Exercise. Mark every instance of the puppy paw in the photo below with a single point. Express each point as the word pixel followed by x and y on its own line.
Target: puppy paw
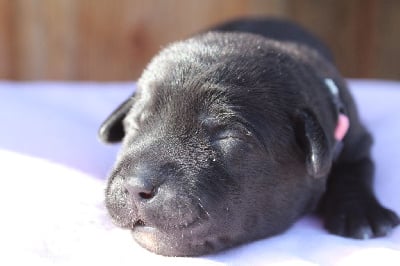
pixel 360 219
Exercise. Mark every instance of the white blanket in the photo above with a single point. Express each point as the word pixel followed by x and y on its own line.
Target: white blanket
pixel 53 173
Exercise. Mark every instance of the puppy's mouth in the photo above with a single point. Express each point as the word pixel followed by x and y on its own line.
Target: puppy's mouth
pixel 176 240
pixel 138 223
pixel 140 228
pixel 141 225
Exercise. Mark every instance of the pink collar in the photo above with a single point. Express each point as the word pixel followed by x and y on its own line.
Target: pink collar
pixel 342 126
pixel 343 122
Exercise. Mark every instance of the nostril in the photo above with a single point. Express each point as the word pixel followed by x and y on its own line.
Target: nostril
pixel 146 195
pixel 143 183
pixel 139 190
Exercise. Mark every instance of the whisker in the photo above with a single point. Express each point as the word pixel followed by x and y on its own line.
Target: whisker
pixel 202 208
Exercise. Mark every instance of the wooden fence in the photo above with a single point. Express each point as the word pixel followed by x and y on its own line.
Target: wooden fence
pixel 113 40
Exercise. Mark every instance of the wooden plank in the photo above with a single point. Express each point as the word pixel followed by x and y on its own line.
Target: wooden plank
pixel 6 53
pixel 347 27
pixel 366 37
pixel 106 40
pixel 387 48
pixel 117 41
pixel 333 22
pixel 45 39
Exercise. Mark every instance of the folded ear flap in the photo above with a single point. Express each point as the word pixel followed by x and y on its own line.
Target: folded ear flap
pixel 314 142
pixel 112 129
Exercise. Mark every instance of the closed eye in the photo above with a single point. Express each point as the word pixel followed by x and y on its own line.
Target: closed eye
pixel 231 134
pixel 236 134
pixel 221 130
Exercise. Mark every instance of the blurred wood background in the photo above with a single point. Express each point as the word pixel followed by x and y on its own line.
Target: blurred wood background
pixel 113 40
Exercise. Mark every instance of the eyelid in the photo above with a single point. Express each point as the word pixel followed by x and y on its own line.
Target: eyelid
pixel 230 130
pixel 238 132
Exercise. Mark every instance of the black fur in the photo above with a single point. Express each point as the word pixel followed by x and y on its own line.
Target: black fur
pixel 229 138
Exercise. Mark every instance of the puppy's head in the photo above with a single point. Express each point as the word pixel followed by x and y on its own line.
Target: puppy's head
pixel 217 148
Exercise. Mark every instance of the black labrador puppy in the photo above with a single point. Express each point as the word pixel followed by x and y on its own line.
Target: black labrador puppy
pixel 234 134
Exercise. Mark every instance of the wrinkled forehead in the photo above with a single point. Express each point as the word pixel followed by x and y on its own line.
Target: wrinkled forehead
pixel 183 106
pixel 184 83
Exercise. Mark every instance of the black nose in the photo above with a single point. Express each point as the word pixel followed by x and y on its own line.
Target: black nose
pixel 143 184
pixel 140 188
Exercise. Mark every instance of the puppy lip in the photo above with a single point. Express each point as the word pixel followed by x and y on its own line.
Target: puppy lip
pixel 143 230
pixel 139 228
pixel 171 240
pixel 140 224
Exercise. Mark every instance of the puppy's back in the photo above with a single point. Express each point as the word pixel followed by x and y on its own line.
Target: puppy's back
pixel 277 29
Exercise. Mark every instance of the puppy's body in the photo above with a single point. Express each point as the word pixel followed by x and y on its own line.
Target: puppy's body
pixel 230 137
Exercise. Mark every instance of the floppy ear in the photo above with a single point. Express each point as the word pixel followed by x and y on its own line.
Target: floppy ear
pixel 112 129
pixel 314 142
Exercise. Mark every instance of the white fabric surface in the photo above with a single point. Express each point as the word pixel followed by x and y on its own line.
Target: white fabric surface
pixel 53 173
